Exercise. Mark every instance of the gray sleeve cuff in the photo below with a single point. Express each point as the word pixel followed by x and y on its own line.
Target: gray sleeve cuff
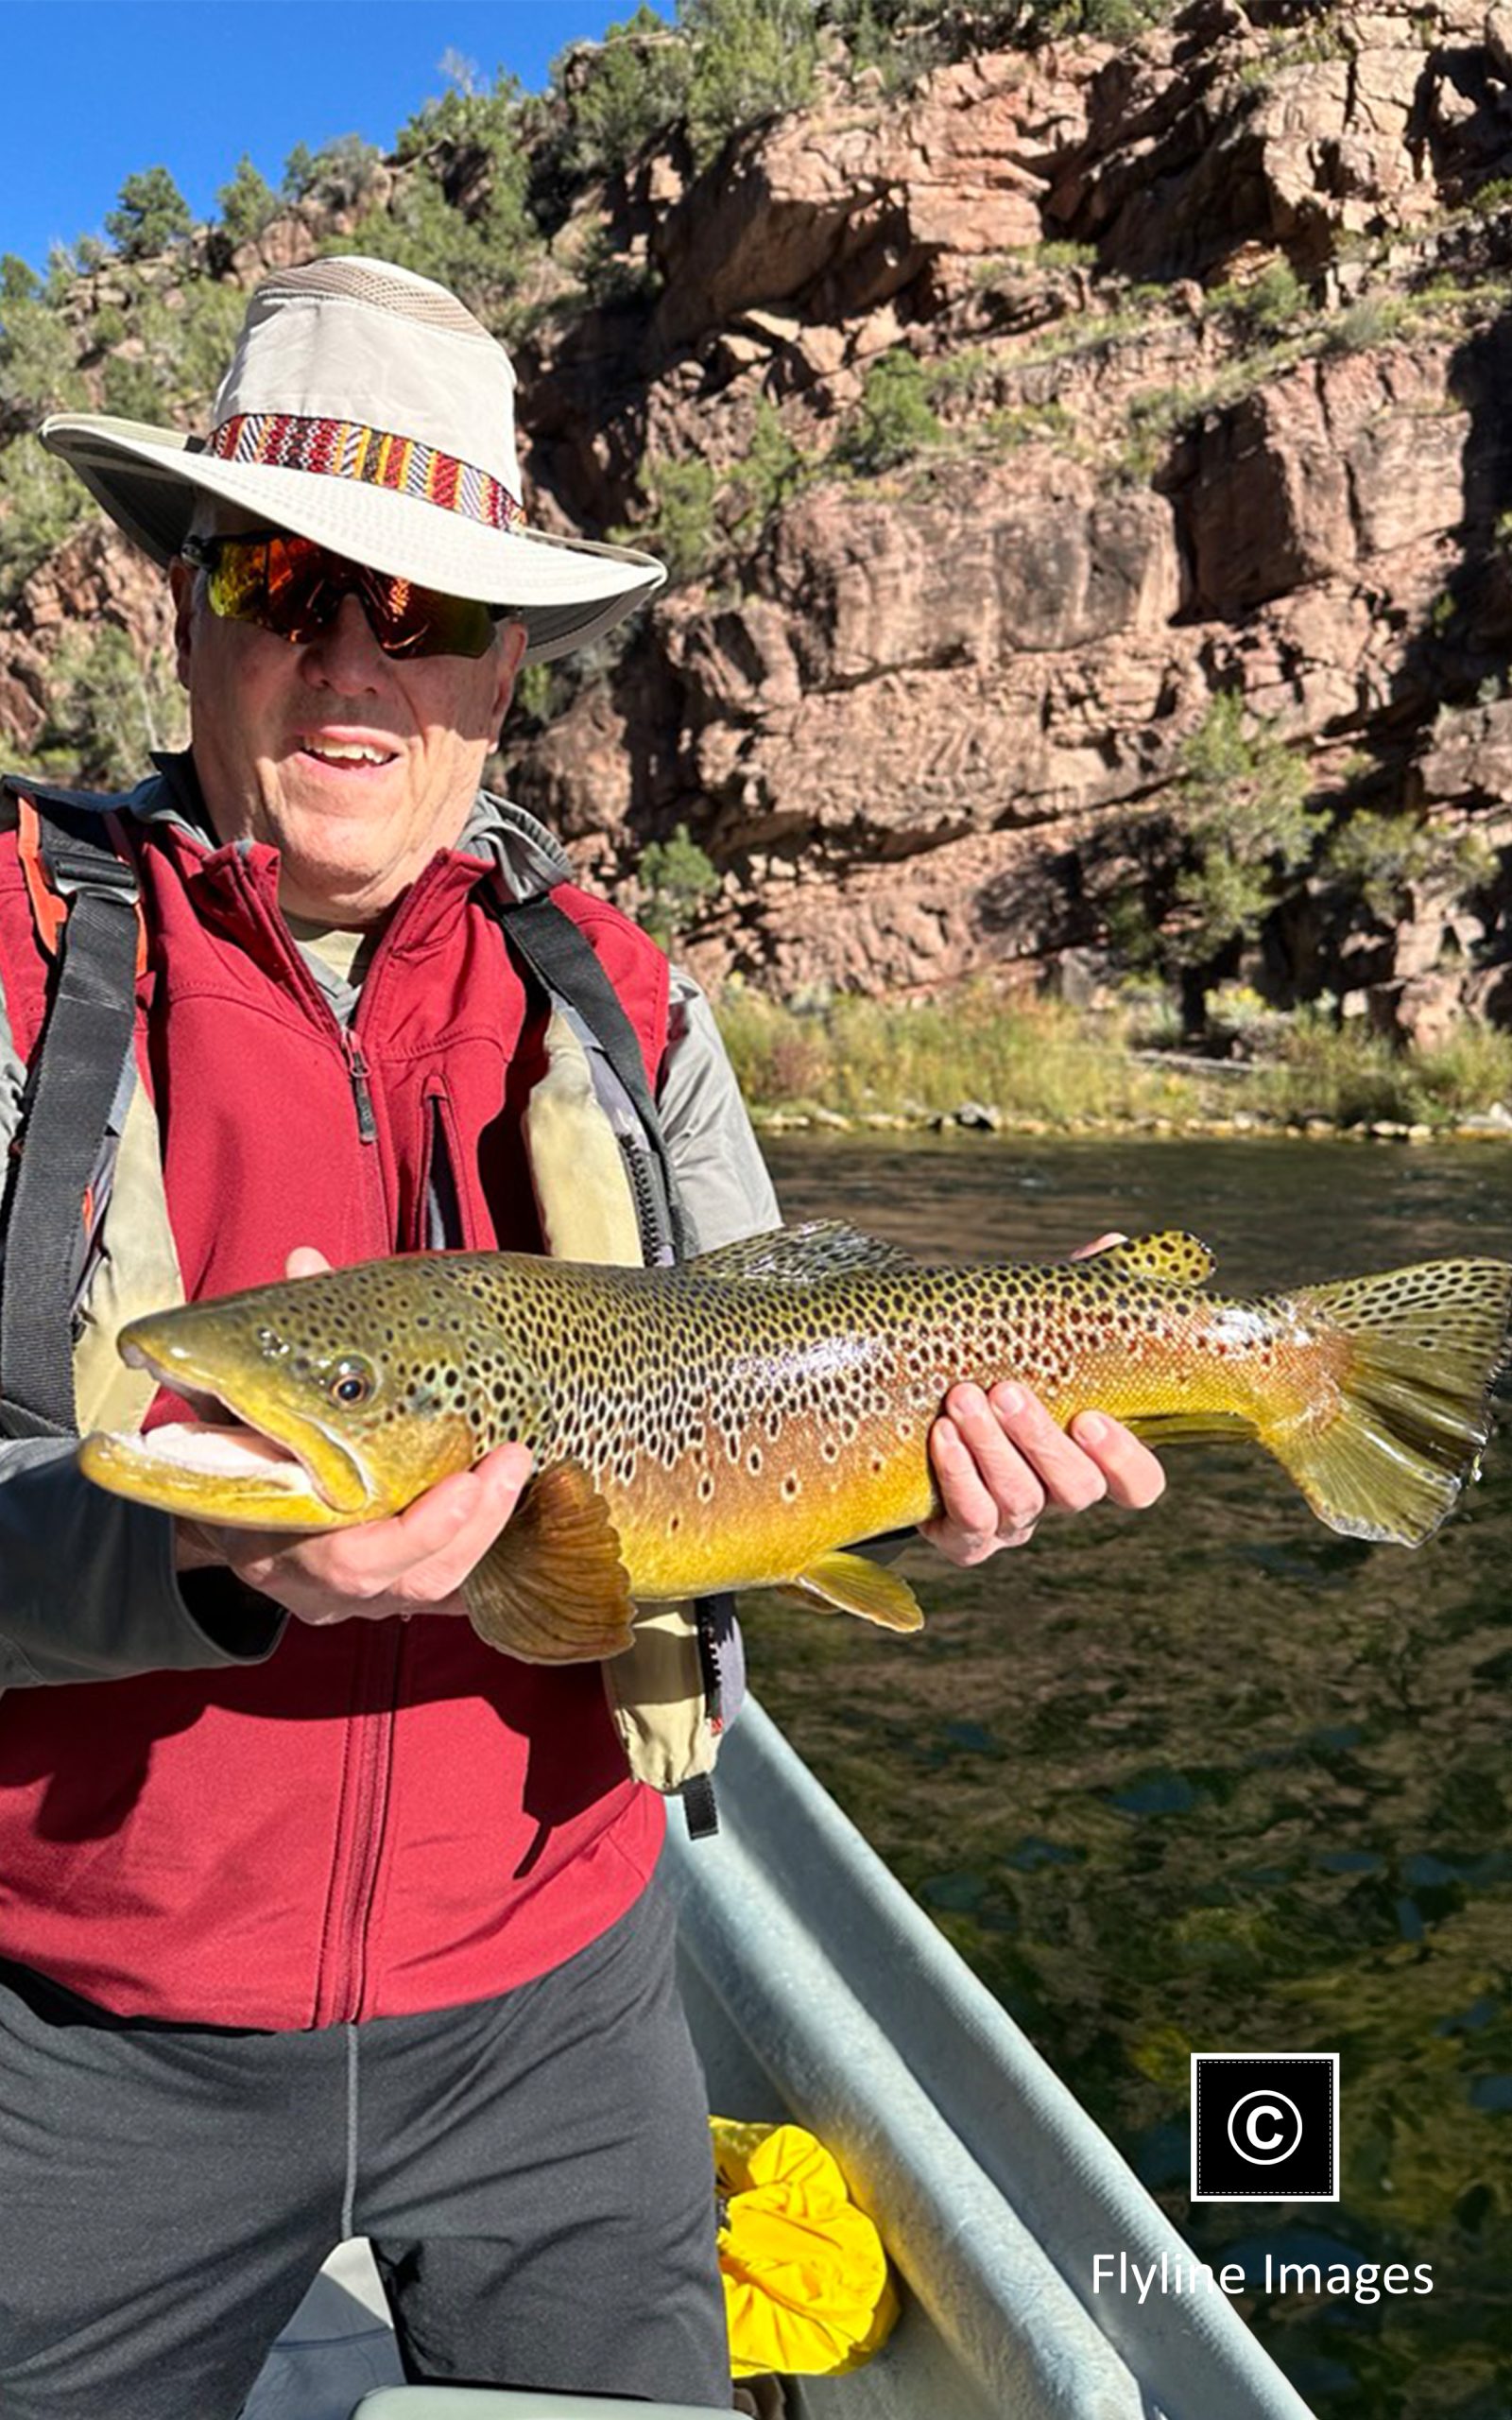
pixel 88 1589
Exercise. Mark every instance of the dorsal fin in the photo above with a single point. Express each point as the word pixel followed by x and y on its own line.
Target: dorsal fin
pixel 797 1255
pixel 1172 1256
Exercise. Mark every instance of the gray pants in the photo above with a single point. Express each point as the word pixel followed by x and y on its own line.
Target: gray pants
pixel 534 2173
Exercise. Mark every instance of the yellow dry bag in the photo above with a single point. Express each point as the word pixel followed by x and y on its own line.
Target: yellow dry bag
pixel 806 2283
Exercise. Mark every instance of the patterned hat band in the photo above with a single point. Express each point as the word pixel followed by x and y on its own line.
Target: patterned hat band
pixel 344 449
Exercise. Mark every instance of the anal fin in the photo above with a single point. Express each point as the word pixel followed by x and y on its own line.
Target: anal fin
pixel 552 1588
pixel 853 1586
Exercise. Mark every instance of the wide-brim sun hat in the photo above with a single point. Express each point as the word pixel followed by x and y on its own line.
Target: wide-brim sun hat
pixel 367 409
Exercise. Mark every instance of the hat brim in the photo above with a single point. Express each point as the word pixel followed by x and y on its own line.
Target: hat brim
pixel 567 591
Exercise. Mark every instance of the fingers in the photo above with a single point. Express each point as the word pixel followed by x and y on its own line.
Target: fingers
pixel 415 1562
pixel 304 1261
pixel 1133 1474
pixel 1104 1243
pixel 1000 1461
pixel 991 1494
pixel 494 1487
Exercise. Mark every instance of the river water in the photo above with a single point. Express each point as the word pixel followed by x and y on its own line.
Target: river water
pixel 1211 1777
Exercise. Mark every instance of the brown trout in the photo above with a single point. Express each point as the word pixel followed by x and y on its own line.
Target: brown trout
pixel 742 1421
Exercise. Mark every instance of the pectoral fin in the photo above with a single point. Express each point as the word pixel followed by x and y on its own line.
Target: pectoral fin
pixel 853 1586
pixel 552 1588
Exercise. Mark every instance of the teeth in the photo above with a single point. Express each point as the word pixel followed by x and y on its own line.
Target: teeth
pixel 331 754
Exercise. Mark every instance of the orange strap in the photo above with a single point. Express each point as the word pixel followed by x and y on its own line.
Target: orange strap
pixel 49 908
pixel 50 913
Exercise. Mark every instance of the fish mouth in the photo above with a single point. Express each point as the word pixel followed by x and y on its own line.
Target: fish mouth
pixel 238 1456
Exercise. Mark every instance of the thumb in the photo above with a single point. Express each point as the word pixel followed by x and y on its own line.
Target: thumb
pixel 304 1261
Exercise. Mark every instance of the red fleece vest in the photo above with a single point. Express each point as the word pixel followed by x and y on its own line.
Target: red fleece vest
pixel 384 1817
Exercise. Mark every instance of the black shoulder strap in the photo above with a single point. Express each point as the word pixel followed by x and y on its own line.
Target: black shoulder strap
pixel 555 953
pixel 558 955
pixel 71 1085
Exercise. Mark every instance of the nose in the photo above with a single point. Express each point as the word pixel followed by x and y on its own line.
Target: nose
pixel 345 656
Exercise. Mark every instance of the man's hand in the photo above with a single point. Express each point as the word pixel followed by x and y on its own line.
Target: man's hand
pixel 1000 1461
pixel 414 1562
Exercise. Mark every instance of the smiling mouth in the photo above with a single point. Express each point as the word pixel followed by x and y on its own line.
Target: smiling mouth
pixel 344 757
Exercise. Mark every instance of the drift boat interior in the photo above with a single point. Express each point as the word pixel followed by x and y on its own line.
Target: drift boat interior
pixel 818 1991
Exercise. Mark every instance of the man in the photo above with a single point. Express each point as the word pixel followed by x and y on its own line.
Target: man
pixel 320 1919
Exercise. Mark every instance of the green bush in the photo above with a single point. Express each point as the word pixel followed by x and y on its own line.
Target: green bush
pixel 470 115
pixel 676 877
pixel 751 60
pixel 1268 305
pixel 929 30
pixel 150 213
pixel 421 231
pixel 772 470
pixel 38 367
pixel 1039 1061
pixel 480 253
pixel 299 171
pixel 247 204
pixel 681 529
pixel 1354 1078
pixel 108 327
pixel 1243 815
pixel 622 93
pixel 130 388
pixel 185 346
pixel 342 173
pixel 609 279
pixel 40 501
pixel 18 282
pixel 1108 20
pixel 1152 418
pixel 893 421
pixel 1370 321
pixel 1379 856
pixel 107 710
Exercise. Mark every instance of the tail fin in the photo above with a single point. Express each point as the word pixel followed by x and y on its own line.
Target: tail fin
pixel 1413 1411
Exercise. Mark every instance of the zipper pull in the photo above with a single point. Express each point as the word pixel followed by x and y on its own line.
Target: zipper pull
pixel 357 1067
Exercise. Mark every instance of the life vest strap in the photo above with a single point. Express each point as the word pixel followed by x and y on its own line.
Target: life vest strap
pixel 71 1086
pixel 562 961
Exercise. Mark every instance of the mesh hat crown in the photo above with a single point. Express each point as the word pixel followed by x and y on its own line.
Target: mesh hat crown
pixel 367 409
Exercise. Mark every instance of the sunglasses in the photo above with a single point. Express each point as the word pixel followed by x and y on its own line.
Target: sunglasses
pixel 294 588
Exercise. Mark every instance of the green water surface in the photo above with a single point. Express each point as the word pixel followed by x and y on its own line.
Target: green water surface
pixel 1209 1777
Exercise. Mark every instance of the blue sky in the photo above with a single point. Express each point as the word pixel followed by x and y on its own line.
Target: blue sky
pixel 94 89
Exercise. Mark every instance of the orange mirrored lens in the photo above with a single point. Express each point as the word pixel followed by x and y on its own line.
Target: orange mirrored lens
pixel 294 588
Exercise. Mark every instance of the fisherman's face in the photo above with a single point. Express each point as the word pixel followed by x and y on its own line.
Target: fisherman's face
pixel 266 719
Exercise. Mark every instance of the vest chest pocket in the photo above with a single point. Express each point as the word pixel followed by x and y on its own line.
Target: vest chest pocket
pixel 441 1221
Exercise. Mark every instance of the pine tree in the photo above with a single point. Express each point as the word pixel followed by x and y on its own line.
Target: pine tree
pixel 150 213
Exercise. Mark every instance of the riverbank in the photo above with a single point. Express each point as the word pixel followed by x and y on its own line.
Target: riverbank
pixel 976 1064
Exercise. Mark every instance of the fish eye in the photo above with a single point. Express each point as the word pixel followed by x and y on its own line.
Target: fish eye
pixel 351 1382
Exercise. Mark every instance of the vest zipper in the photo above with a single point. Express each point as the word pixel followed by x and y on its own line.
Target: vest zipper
pixel 710 1665
pixel 341 1970
pixel 362 1096
pixel 341 1982
pixel 638 1168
